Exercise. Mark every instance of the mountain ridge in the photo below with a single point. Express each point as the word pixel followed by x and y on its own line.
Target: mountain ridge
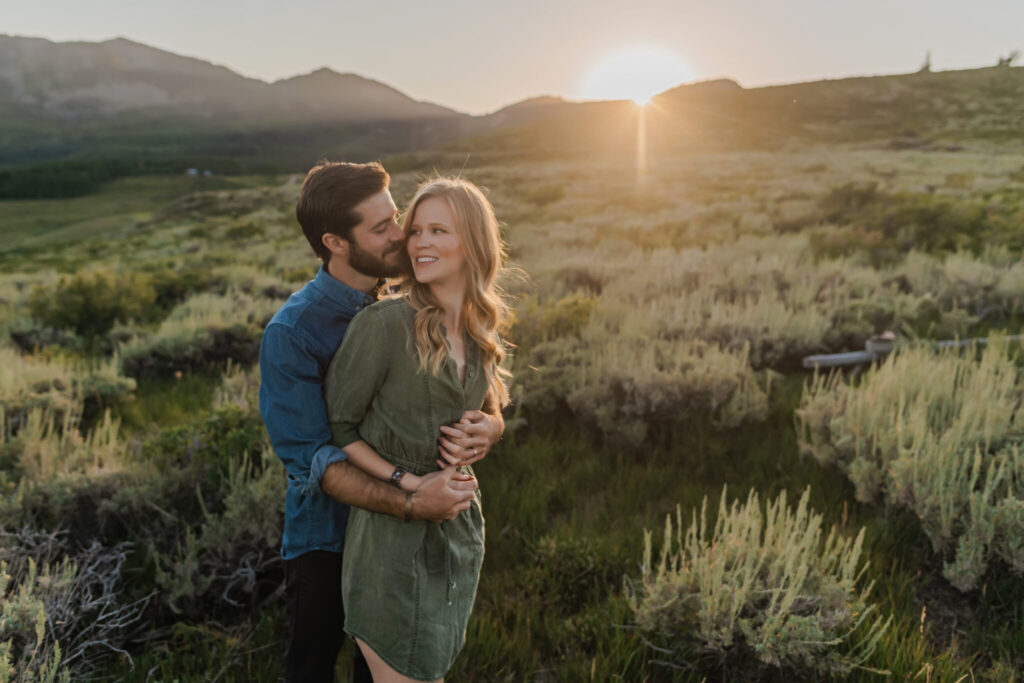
pixel 126 106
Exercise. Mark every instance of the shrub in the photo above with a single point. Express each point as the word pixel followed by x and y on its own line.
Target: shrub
pixel 91 302
pixel 888 225
pixel 631 392
pixel 757 589
pixel 939 434
pixel 239 387
pixel 56 385
pixel 234 558
pixel 202 333
pixel 62 614
pixel 210 445
pixel 537 322
pixel 570 573
pixel 53 476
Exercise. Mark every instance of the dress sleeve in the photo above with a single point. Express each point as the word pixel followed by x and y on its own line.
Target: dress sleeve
pixel 356 373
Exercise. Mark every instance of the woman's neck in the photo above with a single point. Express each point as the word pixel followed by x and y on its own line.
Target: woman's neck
pixel 450 297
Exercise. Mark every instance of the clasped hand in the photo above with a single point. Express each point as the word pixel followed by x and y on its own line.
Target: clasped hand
pixel 468 440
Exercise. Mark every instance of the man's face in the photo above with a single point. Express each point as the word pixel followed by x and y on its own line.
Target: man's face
pixel 375 247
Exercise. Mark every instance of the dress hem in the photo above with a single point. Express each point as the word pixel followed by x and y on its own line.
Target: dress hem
pixel 389 662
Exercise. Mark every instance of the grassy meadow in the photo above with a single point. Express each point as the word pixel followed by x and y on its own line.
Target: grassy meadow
pixel 859 525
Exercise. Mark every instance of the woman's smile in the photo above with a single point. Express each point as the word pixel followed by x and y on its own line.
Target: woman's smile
pixel 435 247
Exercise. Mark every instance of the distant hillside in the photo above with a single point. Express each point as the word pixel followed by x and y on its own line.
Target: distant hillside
pixel 87 81
pixel 73 115
pixel 938 110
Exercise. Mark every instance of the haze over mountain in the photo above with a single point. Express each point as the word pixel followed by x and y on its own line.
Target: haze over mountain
pixel 146 110
pixel 76 81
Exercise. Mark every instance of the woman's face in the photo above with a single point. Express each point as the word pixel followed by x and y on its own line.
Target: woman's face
pixel 435 248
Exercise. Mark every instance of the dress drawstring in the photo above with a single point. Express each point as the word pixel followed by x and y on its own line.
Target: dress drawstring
pixel 449 575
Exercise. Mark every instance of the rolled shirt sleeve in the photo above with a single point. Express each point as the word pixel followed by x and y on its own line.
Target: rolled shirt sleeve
pixel 355 374
pixel 293 408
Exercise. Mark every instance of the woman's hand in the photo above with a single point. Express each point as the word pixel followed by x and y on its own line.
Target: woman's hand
pixel 469 439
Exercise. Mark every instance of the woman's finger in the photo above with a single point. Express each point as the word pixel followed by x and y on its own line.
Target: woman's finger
pixel 450 446
pixel 451 459
pixel 473 416
pixel 453 432
pixel 472 460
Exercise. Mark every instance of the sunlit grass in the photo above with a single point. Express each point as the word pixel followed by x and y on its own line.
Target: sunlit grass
pixel 704 273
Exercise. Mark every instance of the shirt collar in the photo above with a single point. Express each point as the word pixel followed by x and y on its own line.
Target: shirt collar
pixel 341 293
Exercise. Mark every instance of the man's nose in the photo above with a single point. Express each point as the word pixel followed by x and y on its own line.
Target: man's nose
pixel 395 234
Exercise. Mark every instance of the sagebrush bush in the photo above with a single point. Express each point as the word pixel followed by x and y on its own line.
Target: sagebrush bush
pixel 239 387
pixel 59 386
pixel 202 333
pixel 630 389
pixel 536 322
pixel 62 610
pixel 939 434
pixel 886 225
pixel 91 302
pixel 209 444
pixel 759 588
pixel 569 573
pixel 233 560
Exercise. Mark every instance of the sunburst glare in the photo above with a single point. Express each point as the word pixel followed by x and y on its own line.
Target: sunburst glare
pixel 637 73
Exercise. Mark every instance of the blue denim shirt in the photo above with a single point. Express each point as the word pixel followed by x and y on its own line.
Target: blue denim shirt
pixel 298 345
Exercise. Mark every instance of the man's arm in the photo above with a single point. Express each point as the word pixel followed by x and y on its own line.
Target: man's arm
pixel 472 437
pixel 294 411
pixel 442 495
pixel 354 377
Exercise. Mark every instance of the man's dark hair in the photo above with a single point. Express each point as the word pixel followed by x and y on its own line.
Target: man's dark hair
pixel 329 196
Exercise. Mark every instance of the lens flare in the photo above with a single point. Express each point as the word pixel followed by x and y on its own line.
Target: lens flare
pixel 637 74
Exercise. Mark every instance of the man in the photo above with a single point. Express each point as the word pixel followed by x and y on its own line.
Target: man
pixel 349 218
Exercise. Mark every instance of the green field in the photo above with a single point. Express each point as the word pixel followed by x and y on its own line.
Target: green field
pixel 659 329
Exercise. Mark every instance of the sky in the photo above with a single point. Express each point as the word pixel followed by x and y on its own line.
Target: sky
pixel 477 56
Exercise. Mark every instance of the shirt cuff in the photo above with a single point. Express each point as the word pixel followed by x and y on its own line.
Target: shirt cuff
pixel 326 455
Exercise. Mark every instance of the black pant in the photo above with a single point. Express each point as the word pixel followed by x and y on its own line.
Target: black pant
pixel 316 617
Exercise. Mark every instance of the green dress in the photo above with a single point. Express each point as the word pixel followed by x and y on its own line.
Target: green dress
pixel 408 587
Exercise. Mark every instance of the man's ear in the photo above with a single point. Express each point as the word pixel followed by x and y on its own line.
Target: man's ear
pixel 335 244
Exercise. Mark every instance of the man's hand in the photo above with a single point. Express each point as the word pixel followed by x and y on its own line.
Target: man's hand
pixel 469 439
pixel 443 495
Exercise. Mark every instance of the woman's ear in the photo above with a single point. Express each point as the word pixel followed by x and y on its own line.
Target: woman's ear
pixel 335 244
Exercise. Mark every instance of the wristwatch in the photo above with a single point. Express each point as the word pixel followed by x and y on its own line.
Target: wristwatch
pixel 396 477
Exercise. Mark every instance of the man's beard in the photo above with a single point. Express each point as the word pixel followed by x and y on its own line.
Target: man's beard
pixel 368 264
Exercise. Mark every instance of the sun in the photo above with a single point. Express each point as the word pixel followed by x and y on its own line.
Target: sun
pixel 637 73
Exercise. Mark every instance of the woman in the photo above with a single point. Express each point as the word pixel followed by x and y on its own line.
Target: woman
pixel 408 365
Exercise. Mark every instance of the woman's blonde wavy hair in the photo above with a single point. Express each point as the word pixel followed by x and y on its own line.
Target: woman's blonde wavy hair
pixel 485 311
